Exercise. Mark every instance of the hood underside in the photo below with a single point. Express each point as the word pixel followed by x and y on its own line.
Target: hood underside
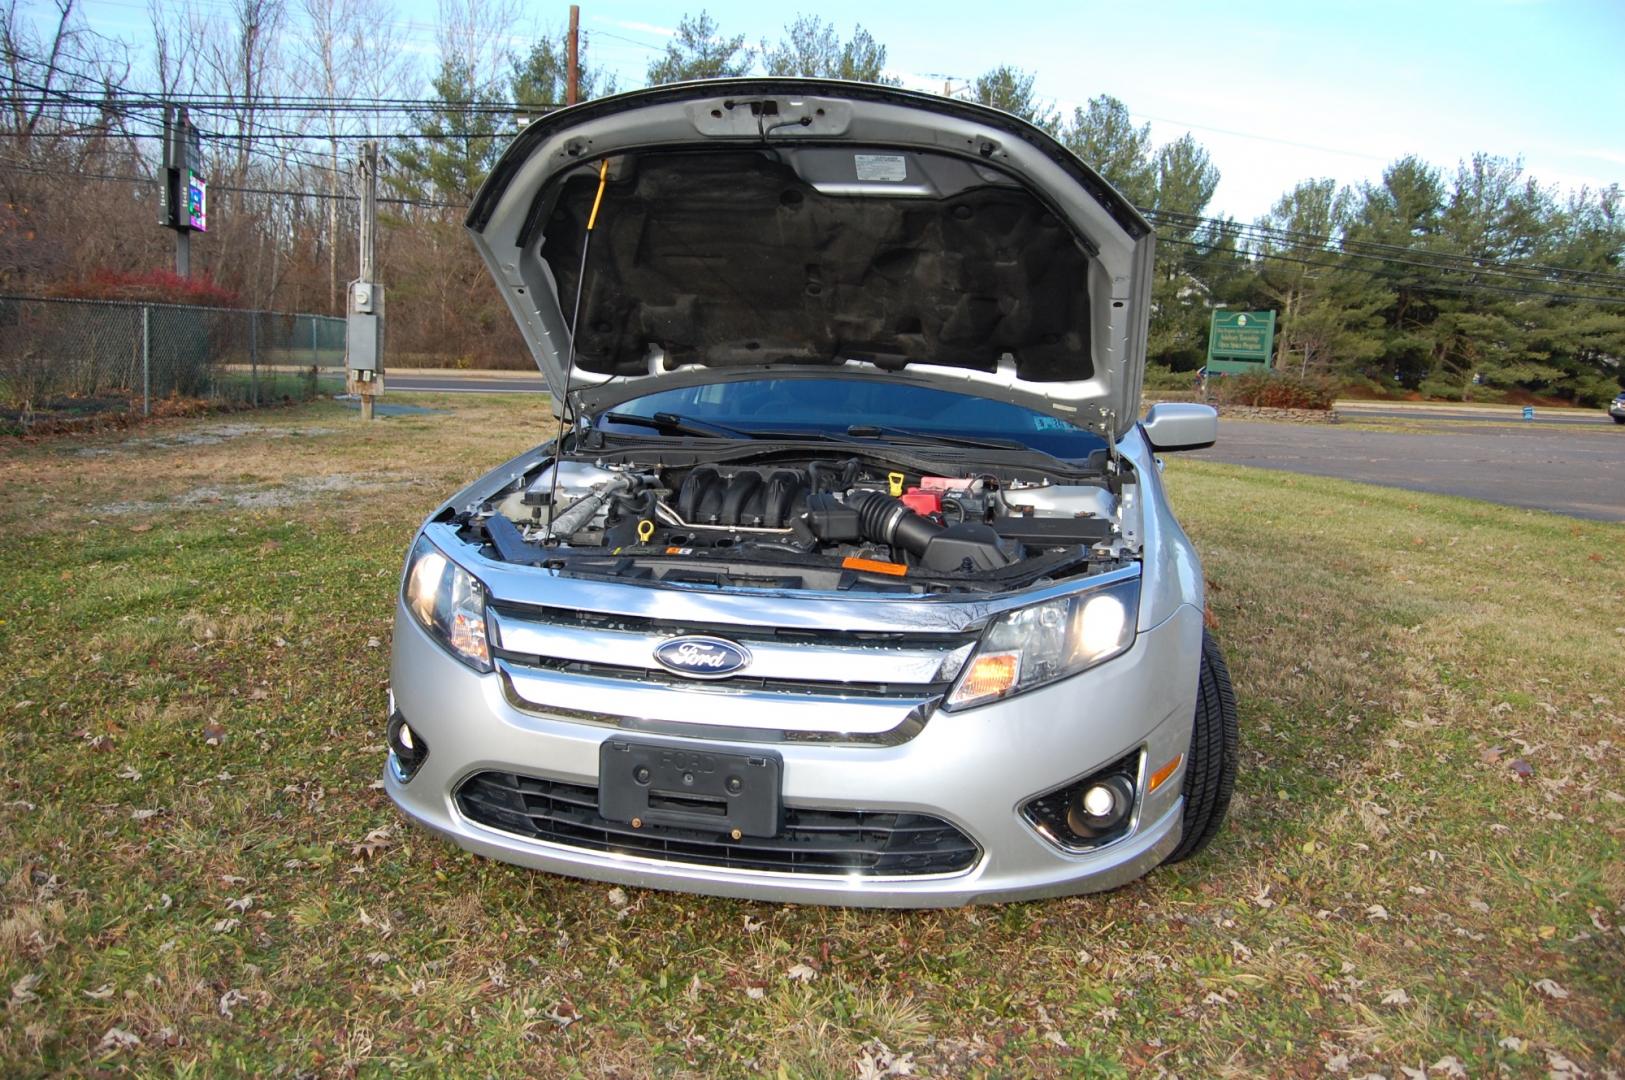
pixel 773 224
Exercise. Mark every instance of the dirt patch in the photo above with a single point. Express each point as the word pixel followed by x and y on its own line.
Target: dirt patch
pixel 297 490
pixel 205 436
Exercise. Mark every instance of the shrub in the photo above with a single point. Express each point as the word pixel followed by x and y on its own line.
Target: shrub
pixel 1161 377
pixel 152 286
pixel 1274 390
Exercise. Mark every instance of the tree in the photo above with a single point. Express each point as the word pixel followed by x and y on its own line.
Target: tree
pixel 699 51
pixel 541 77
pixel 1180 296
pixel 458 139
pixel 1328 312
pixel 1402 213
pixel 1106 139
pixel 1011 89
pixel 811 48
pixel 347 47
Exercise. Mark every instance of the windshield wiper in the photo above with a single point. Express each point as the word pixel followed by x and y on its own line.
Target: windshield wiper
pixel 678 425
pixel 870 431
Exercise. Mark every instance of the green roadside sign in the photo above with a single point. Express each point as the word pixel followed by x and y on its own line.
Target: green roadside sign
pixel 1240 341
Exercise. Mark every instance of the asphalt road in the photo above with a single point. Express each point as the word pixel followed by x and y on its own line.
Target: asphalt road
pixel 1379 411
pixel 1576 472
pixel 1558 462
pixel 464 384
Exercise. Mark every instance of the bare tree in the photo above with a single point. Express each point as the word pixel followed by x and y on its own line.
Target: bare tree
pixel 349 49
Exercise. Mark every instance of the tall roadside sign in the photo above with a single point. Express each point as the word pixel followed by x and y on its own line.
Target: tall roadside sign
pixel 1240 341
pixel 185 196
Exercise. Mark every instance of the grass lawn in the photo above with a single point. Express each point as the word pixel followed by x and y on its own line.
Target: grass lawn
pixel 1423 868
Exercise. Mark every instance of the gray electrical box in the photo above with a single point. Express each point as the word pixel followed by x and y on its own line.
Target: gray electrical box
pixel 365 346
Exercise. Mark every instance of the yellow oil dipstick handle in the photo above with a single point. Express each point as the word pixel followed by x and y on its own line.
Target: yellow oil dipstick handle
pixel 646 531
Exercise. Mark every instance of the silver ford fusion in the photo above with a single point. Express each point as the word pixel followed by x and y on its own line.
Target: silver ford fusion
pixel 851 579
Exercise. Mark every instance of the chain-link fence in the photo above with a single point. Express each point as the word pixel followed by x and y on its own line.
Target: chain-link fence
pixel 74 358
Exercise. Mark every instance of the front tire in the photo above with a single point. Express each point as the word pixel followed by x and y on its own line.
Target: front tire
pixel 1618 419
pixel 1210 767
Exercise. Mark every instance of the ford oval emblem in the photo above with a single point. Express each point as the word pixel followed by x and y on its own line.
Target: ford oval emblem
pixel 702 657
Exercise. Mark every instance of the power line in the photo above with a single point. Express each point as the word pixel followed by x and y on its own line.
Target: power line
pixel 247 190
pixel 1464 287
pixel 1345 245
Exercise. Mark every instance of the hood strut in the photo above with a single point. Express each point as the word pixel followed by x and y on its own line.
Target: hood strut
pixel 575 318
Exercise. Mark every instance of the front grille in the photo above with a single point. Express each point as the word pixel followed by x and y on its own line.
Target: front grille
pixel 873 664
pixel 838 842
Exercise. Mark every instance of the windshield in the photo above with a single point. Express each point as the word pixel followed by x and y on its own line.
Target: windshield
pixel 835 405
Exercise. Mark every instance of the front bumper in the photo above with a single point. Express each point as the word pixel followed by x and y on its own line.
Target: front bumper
pixel 975 769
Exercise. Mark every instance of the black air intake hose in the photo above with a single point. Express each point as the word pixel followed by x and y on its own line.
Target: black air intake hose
pixel 885 520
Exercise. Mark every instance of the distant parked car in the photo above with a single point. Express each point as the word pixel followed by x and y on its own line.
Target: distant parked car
pixel 1617 408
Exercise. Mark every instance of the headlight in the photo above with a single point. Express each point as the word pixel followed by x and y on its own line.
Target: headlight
pixel 1035 645
pixel 449 602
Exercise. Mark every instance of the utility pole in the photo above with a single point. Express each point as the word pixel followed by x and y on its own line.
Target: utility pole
pixel 364 342
pixel 184 204
pixel 572 81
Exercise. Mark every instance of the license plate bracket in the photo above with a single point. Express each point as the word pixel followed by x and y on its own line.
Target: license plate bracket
pixel 690 786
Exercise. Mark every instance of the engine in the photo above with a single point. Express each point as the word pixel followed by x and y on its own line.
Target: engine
pixel 848 513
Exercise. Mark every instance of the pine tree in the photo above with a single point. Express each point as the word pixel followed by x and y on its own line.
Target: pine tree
pixel 699 51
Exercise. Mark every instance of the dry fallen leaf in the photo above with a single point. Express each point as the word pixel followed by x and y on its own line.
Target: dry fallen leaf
pixel 1376 911
pixel 230 1000
pixel 119 1039
pixel 617 897
pixel 1551 989
pixel 22 991
pixel 101 993
pixel 801 973
pixel 372 843
pixel 214 733
pixel 1396 996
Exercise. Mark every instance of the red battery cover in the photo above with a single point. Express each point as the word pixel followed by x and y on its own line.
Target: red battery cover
pixel 922 502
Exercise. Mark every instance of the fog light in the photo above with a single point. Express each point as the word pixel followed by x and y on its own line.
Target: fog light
pixel 1098 801
pixel 1091 812
pixel 1101 806
pixel 407 750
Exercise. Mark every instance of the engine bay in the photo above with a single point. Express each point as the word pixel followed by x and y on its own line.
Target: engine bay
pixel 787 519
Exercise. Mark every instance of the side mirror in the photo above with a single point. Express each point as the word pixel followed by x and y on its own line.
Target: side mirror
pixel 1180 426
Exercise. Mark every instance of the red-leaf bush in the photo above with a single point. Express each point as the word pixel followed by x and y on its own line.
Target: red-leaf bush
pixel 150 286
pixel 1274 390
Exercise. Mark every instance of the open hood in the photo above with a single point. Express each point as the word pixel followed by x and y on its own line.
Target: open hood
pixel 802 224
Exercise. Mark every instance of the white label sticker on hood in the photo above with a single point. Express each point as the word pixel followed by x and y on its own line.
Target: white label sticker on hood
pixel 881 166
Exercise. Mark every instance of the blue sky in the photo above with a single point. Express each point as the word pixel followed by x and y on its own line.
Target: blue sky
pixel 1277 91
